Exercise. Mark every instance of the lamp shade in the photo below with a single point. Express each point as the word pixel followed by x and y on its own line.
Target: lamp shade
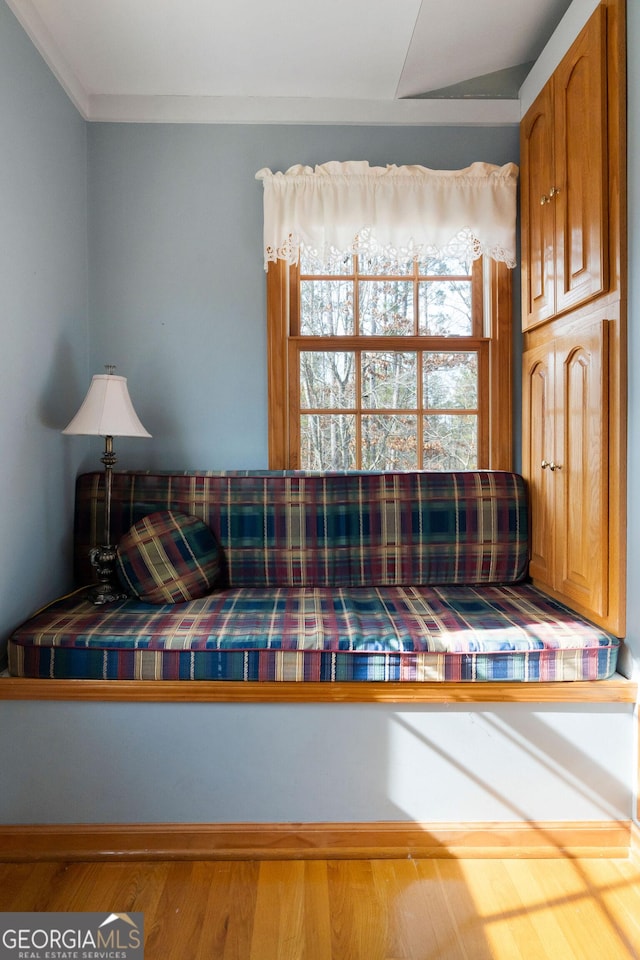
pixel 107 410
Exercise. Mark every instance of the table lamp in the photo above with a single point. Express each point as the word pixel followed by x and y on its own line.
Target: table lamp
pixel 106 411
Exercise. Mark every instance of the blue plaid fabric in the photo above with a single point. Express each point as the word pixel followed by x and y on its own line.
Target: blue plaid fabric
pixel 168 557
pixel 354 529
pixel 366 633
pixel 359 576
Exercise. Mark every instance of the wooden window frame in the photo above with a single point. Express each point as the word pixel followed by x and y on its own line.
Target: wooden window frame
pixel 495 443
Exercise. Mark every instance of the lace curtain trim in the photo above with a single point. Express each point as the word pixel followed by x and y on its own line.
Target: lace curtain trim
pixel 336 209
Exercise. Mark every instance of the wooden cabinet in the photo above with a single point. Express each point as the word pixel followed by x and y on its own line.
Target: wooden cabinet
pixel 574 278
pixel 563 169
pixel 565 458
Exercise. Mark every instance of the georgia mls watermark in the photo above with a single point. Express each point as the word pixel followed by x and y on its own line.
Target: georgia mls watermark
pixel 71 936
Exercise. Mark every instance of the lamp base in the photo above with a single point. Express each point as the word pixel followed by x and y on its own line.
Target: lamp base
pixel 107 589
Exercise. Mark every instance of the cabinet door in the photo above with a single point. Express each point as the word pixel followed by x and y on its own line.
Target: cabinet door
pixel 536 180
pixel 538 453
pixel 581 474
pixel 580 179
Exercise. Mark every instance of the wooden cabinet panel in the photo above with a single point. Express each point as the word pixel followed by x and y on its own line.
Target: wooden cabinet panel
pixel 538 244
pixel 581 168
pixel 566 465
pixel 582 467
pixel 538 446
pixel 563 157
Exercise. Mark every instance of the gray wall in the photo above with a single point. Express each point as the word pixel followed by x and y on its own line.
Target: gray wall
pixel 230 763
pixel 43 318
pixel 177 288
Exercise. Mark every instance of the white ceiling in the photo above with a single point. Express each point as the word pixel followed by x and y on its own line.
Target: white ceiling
pixel 138 59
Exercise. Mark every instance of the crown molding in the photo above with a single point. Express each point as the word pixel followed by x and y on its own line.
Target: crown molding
pixel 289 110
pixel 33 25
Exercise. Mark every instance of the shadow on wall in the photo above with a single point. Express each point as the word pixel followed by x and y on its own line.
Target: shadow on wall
pixel 64 389
pixel 516 765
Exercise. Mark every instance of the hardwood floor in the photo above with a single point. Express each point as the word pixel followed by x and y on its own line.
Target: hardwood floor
pixel 353 909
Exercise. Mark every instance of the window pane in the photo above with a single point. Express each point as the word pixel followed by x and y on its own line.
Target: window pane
pixel 337 265
pixel 375 265
pixel 445 308
pixel 443 266
pixel 328 442
pixel 389 442
pixel 326 308
pixel 450 442
pixel 386 307
pixel 389 380
pixel 450 380
pixel 327 380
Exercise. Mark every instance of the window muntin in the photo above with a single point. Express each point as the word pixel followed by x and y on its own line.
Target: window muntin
pixel 389 405
pixel 390 409
pixel 389 371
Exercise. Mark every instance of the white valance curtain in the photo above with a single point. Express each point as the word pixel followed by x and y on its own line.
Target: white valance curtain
pixel 397 212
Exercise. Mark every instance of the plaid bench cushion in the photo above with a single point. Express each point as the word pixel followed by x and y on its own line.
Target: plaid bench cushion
pixel 369 633
pixel 354 529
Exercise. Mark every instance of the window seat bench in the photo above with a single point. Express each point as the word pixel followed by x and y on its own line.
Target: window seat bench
pixel 335 586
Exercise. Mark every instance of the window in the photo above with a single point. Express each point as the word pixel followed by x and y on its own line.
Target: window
pixel 380 366
pixel 389 316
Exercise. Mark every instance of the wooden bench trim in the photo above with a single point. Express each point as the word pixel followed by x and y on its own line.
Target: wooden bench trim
pixel 615 690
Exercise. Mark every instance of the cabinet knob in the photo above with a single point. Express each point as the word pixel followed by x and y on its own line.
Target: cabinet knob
pixel 547 199
pixel 544 464
pixel 555 466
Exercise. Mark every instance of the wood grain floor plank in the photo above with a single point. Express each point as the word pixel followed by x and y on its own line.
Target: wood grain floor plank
pixel 353 909
pixel 358 915
pixel 465 923
pixel 175 928
pixel 278 925
pixel 615 887
pixel 430 926
pixel 506 921
pixel 574 889
pixel 317 926
pixel 625 896
pixel 26 883
pixel 396 883
pixel 541 913
pixel 229 898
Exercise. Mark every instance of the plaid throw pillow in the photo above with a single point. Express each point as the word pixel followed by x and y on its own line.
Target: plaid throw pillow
pixel 169 557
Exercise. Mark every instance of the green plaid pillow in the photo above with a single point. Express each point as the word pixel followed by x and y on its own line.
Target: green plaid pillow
pixel 169 557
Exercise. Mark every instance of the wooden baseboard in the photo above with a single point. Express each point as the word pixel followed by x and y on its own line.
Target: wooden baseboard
pixel 257 841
